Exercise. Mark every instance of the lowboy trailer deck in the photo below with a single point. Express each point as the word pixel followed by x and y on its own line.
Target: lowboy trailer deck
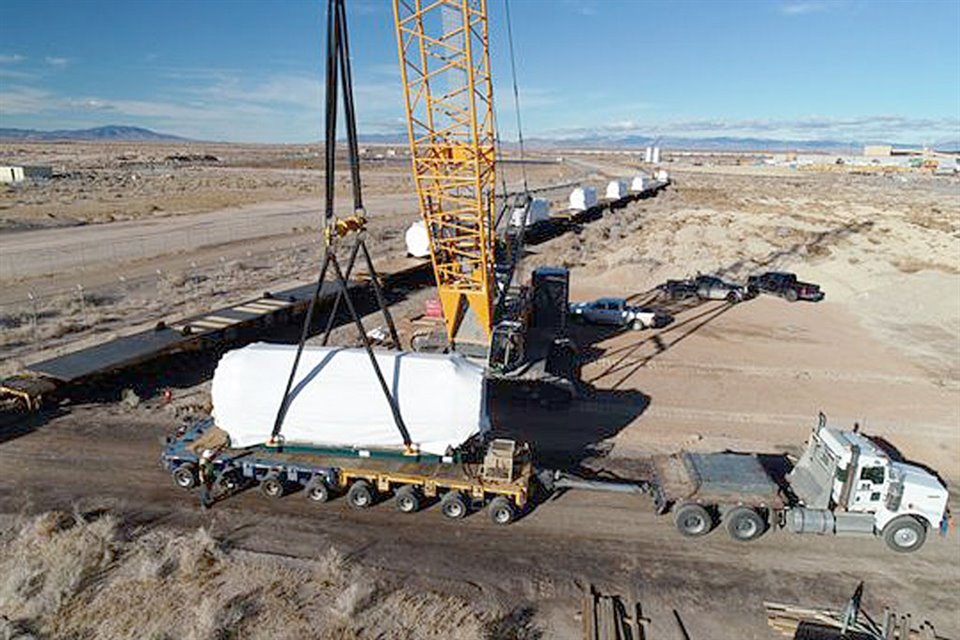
pixel 498 478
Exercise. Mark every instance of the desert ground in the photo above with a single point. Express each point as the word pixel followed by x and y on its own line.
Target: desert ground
pixel 97 542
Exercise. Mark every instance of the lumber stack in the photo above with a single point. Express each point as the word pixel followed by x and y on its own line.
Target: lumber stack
pixel 786 619
pixel 608 617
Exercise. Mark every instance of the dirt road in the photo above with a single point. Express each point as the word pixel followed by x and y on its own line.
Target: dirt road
pixel 714 384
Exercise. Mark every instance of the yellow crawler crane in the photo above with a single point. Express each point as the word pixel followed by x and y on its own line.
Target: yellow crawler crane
pixel 445 67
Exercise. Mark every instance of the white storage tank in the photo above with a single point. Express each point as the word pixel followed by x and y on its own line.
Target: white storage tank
pixel 648 155
pixel 616 189
pixel 418 244
pixel 538 211
pixel 656 155
pixel 582 198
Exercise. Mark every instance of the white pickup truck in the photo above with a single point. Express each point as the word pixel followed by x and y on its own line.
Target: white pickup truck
pixel 616 312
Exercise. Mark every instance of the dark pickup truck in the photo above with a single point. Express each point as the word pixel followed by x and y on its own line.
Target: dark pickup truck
pixel 784 285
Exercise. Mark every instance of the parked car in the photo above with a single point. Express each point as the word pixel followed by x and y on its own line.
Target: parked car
pixel 616 312
pixel 713 288
pixel 785 285
pixel 704 287
pixel 678 289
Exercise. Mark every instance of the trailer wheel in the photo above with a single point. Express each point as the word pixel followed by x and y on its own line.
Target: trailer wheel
pixel 185 476
pixel 501 510
pixel 453 505
pixel 693 520
pixel 360 494
pixel 904 534
pixel 745 524
pixel 272 487
pixel 407 499
pixel 317 491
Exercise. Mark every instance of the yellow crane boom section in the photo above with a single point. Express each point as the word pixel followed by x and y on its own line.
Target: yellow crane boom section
pixel 445 68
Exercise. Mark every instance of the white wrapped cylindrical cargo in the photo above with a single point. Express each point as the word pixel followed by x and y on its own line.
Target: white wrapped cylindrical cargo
pixel 639 183
pixel 582 198
pixel 337 401
pixel 662 175
pixel 616 189
pixel 418 243
pixel 537 211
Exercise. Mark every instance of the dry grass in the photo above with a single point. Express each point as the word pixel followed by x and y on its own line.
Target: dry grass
pixel 76 576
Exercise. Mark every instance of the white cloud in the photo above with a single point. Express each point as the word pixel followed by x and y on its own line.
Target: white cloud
pixel 54 61
pixel 11 58
pixel 803 7
pixel 17 99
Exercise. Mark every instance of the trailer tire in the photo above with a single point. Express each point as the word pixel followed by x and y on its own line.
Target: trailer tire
pixel 272 487
pixel 317 491
pixel 501 511
pixel 693 520
pixel 185 476
pixel 407 499
pixel 360 494
pixel 904 534
pixel 453 505
pixel 745 524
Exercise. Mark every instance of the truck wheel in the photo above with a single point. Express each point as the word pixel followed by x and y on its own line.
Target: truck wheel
pixel 693 520
pixel 733 297
pixel 745 524
pixel 790 295
pixel 185 476
pixel 360 495
pixel 501 510
pixel 407 499
pixel 317 491
pixel 453 506
pixel 272 487
pixel 904 534
pixel 637 325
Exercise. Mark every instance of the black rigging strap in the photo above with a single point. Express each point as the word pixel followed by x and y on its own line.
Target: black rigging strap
pixel 338 62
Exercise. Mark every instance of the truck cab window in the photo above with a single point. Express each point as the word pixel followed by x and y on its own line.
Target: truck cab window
pixel 872 474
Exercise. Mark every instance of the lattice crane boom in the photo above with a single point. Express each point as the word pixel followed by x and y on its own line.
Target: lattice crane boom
pixel 445 68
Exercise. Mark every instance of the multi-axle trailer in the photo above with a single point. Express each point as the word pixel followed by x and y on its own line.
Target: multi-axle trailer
pixel 843 484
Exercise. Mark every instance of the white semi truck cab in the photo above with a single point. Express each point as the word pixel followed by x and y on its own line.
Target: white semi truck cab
pixel 846 484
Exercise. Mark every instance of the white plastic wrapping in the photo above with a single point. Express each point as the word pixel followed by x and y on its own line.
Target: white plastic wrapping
pixel 538 211
pixel 582 198
pixel 337 399
pixel 639 183
pixel 616 189
pixel 418 243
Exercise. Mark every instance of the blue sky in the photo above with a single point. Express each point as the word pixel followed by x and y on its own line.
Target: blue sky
pixel 849 70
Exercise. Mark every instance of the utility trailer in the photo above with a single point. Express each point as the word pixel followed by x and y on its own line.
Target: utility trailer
pixel 843 484
pixel 498 477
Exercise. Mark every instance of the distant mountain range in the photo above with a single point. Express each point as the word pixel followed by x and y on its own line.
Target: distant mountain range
pixel 585 141
pixel 109 132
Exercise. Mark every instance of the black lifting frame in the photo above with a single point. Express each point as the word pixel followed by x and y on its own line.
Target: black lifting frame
pixel 338 61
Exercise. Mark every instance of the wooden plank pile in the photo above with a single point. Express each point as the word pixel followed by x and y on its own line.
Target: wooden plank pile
pixel 608 617
pixel 787 619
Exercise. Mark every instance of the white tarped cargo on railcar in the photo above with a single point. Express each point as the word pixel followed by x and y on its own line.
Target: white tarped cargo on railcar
pixel 537 211
pixel 418 242
pixel 336 399
pixel 582 198
pixel 616 189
